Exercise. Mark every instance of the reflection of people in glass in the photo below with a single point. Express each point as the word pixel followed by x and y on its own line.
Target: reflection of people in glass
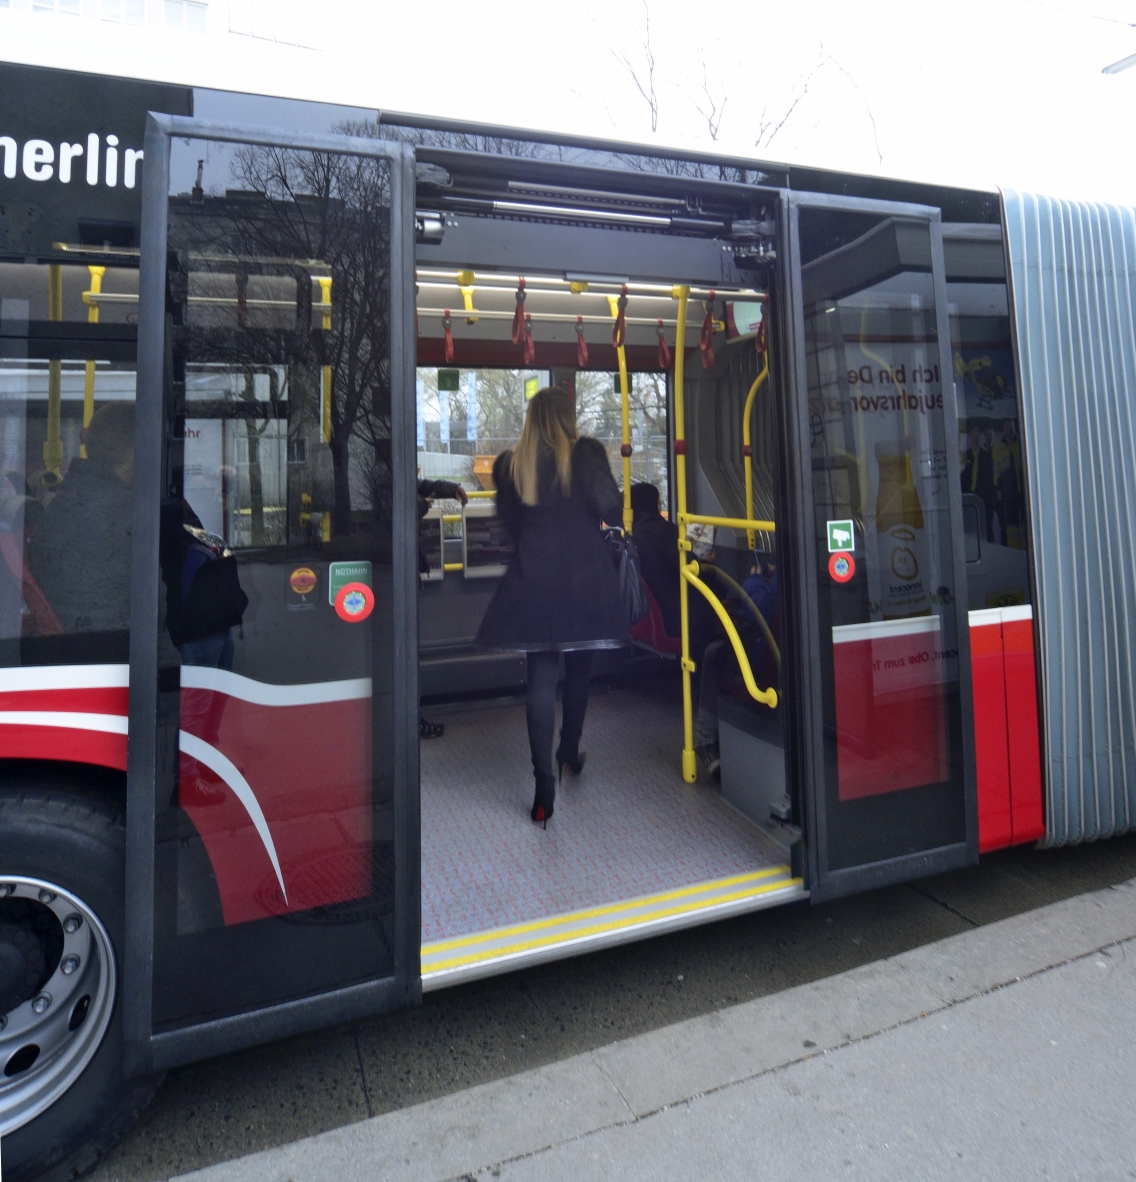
pixel 427 491
pixel 204 600
pixel 204 603
pixel 1007 461
pixel 978 476
pixel 80 555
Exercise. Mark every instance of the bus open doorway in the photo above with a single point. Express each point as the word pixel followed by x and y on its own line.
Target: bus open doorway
pixel 639 844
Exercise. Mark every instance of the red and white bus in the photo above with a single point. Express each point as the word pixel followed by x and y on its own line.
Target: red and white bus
pixel 890 423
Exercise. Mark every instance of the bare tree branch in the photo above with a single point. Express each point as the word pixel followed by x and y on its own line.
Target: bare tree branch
pixel 867 107
pixel 647 90
pixel 714 110
pixel 766 128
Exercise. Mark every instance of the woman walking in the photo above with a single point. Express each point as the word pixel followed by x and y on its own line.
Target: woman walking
pixel 560 594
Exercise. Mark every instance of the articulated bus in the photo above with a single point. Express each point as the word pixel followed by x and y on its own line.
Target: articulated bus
pixel 237 331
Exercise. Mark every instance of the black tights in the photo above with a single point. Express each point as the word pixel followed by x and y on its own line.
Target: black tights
pixel 540 708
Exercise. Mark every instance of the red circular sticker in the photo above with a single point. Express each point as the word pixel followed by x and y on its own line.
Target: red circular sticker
pixel 354 602
pixel 841 566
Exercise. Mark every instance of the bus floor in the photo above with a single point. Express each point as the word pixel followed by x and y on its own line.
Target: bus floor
pixel 631 851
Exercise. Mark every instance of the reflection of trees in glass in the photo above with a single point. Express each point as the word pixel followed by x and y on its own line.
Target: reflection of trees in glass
pixel 599 414
pixel 322 213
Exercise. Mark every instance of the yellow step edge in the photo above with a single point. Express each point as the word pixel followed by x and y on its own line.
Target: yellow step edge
pixel 574 916
pixel 596 929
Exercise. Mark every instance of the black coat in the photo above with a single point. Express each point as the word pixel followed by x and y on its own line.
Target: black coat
pixel 80 555
pixel 656 539
pixel 561 590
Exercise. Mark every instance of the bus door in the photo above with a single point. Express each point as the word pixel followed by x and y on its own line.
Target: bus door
pixel 272 812
pixel 886 719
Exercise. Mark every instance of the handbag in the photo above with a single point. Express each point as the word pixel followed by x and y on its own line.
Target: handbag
pixel 632 590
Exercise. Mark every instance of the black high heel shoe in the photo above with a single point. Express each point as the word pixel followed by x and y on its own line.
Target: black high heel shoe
pixel 545 796
pixel 572 760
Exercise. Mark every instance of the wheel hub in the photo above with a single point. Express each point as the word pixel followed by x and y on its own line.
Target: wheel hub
pixel 57 988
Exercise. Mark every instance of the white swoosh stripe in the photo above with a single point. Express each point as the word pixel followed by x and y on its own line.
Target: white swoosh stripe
pixel 113 724
pixel 261 693
pixel 50 677
pixel 218 764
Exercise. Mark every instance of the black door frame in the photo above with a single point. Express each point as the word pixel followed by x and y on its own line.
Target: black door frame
pixel 824 883
pixel 145 1050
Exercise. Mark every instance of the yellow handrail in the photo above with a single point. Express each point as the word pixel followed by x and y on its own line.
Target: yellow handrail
pixel 754 610
pixel 766 697
pixel 625 415
pixel 483 492
pixel 747 441
pixel 746 523
pixel 97 274
pixel 453 566
pixel 681 292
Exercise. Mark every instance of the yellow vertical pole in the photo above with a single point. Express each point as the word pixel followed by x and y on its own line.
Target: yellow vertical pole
pixel 747 443
pixel 97 274
pixel 325 391
pixel 689 773
pixel 53 442
pixel 625 411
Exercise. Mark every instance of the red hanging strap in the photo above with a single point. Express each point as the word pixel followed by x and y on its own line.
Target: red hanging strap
pixel 449 335
pixel 706 336
pixel 759 340
pixel 530 348
pixel 581 344
pixel 519 314
pixel 664 351
pixel 619 329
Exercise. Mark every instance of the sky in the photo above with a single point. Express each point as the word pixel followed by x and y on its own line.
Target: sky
pixel 997 92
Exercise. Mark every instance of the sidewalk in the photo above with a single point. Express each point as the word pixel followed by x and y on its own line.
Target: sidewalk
pixel 1003 1052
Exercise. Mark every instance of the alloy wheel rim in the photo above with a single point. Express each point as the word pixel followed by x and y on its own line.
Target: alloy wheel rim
pixel 48 1040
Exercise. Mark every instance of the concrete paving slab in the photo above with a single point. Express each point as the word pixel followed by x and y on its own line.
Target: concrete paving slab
pixel 670 1065
pixel 1031 1081
pixel 975 961
pixel 450 1137
pixel 938 1073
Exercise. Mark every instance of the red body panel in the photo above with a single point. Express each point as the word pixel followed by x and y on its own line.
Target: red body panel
pixel 890 725
pixel 1024 731
pixel 309 768
pixel 1006 734
pixel 991 740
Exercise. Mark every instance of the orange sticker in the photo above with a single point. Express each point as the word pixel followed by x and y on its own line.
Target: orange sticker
pixel 303 580
pixel 355 602
pixel 841 566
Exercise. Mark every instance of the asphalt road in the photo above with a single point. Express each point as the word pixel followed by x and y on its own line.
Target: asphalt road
pixel 274 1094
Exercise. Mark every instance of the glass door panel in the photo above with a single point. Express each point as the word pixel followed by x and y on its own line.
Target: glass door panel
pixel 894 786
pixel 276 808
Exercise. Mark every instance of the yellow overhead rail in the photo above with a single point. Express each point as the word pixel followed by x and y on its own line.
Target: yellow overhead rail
pixel 689 569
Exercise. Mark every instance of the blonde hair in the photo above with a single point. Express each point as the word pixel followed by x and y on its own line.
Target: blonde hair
pixel 550 422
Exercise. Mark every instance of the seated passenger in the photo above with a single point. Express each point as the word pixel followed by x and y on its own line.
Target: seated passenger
pixel 656 539
pixel 719 660
pixel 80 555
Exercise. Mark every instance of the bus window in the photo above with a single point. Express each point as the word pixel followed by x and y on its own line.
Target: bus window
pixel 992 476
pixel 67 391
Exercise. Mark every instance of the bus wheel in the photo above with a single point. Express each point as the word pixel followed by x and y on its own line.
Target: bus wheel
pixel 63 1101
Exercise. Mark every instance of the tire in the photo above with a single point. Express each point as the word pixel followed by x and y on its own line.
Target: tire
pixel 73 840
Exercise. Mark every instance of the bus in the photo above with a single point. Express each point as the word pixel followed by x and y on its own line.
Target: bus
pixel 885 425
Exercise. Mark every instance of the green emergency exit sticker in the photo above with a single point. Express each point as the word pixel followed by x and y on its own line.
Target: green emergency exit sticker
pixel 841 536
pixel 342 573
